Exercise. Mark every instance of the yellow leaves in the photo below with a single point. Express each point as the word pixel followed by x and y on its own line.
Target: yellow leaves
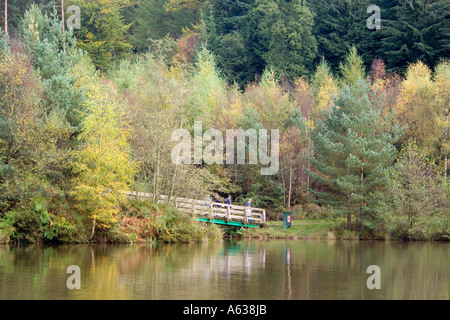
pixel 325 87
pixel 102 164
pixel 33 27
pixel 310 123
pixel 442 86
pixel 423 102
pixel 325 94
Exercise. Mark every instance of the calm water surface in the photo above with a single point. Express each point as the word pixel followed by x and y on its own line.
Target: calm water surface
pixel 248 270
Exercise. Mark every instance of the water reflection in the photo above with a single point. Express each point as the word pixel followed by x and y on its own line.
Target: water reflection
pixel 229 270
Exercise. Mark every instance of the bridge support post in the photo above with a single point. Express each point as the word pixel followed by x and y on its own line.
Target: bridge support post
pixel 210 211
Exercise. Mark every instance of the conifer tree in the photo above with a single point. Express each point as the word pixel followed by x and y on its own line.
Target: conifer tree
pixel 153 19
pixel 44 37
pixel 285 38
pixel 352 147
pixel 325 87
pixel 415 30
pixel 341 24
pixel 353 68
pixel 230 35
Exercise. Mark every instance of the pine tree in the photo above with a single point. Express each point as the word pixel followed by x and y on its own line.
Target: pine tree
pixel 325 88
pixel 3 43
pixel 15 9
pixel 230 36
pixel 44 37
pixel 353 68
pixel 6 16
pixel 352 147
pixel 209 90
pixel 341 24
pixel 415 30
pixel 285 39
pixel 152 19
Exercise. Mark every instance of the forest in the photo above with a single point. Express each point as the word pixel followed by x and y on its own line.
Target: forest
pixel 87 113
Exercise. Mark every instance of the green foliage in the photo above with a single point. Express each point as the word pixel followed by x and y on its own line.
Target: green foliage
pixel 352 69
pixel 6 228
pixel 103 31
pixel 415 30
pixel 284 30
pixel 209 90
pixel 152 19
pixel 16 10
pixel 250 36
pixel 353 145
pixel 102 163
pixel 4 48
pixel 44 37
pixel 416 204
pixel 73 137
pixel 341 24
pixel 164 223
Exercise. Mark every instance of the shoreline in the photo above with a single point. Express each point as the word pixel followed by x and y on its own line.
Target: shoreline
pixel 322 230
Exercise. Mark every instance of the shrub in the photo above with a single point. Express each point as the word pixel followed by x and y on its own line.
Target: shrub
pixel 149 221
pixel 416 206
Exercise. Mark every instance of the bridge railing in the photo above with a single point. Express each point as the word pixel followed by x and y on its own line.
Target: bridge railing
pixel 209 209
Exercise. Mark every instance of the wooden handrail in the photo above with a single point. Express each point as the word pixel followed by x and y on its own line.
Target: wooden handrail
pixel 210 209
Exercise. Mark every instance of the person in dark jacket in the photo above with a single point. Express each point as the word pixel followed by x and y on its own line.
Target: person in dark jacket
pixel 228 200
pixel 217 200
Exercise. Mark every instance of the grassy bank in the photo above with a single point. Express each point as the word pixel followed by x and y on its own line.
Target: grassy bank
pixel 322 229
pixel 305 229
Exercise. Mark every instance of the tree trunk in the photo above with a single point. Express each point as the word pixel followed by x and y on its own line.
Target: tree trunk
pixel 93 229
pixel 283 181
pixel 309 164
pixel 446 154
pixel 361 204
pixel 290 188
pixel 349 213
pixel 63 25
pixel 172 185
pixel 6 17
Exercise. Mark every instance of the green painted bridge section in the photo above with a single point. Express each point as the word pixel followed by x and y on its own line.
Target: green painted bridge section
pixel 230 223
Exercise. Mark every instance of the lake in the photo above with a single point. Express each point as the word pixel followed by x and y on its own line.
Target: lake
pixel 233 270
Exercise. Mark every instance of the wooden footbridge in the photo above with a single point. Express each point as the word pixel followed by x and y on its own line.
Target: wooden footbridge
pixel 209 211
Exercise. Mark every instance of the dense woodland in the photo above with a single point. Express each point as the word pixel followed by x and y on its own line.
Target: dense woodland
pixel 86 114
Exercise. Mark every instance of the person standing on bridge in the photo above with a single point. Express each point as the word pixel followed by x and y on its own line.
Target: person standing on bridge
pixel 228 200
pixel 217 200
pixel 207 201
pixel 248 205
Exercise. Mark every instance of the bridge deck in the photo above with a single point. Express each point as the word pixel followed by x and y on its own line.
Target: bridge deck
pixel 219 213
